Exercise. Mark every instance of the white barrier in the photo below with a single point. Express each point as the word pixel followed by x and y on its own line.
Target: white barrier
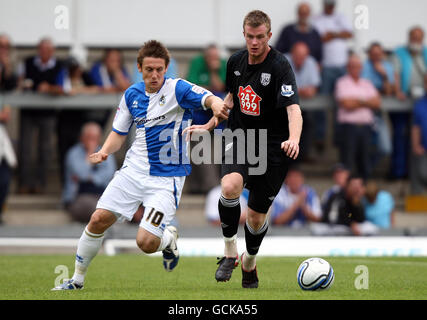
pixel 271 246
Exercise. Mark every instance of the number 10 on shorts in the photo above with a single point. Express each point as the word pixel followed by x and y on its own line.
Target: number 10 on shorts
pixel 155 217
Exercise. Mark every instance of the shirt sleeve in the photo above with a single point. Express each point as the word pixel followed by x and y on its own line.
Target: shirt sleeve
pixel 314 203
pixel 372 91
pixel 340 89
pixel 417 114
pixel 314 71
pixel 344 23
pixel 286 86
pixel 229 77
pixel 190 96
pixel 123 119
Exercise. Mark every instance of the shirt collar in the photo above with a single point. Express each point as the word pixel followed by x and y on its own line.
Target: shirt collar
pixel 44 66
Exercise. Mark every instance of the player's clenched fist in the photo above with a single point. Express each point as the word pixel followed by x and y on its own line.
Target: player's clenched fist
pixel 97 157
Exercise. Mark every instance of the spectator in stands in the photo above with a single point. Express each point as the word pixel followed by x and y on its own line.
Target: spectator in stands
pixel 344 212
pixel 8 81
pixel 8 78
pixel 419 146
pixel 211 206
pixel 340 174
pixel 335 29
pixel 207 70
pixel 379 70
pixel 7 158
pixel 379 206
pixel 73 80
pixel 410 63
pixel 307 77
pixel 356 98
pixel 84 182
pixel 110 73
pixel 301 31
pixel 38 73
pixel 381 73
pixel 296 203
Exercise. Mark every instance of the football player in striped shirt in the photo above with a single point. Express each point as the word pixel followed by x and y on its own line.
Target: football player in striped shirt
pixel 155 166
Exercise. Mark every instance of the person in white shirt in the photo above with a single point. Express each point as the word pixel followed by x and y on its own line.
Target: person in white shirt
pixel 335 29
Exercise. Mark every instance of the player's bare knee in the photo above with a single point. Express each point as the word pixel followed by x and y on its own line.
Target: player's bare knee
pixel 147 245
pixel 98 222
pixel 231 187
pixel 256 221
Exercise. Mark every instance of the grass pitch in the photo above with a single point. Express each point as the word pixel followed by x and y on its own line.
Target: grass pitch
pixel 129 276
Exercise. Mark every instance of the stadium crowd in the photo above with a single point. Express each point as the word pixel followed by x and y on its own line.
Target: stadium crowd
pixel 316 47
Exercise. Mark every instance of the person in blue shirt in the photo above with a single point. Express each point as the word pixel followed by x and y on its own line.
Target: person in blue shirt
pixel 296 203
pixel 379 70
pixel 379 206
pixel 418 175
pixel 381 73
pixel 84 182
pixel 110 73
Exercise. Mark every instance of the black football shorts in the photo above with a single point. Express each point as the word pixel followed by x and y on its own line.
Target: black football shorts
pixel 262 188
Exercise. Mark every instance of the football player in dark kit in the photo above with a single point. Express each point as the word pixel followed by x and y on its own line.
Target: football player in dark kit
pixel 262 94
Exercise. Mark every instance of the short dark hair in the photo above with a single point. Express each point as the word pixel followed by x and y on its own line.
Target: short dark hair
pixel 255 18
pixel 154 49
pixel 355 176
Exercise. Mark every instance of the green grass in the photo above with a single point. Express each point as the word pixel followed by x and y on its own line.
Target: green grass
pixel 129 276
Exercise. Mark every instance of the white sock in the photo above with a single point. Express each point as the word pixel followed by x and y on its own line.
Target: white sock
pixel 248 261
pixel 166 240
pixel 230 248
pixel 88 247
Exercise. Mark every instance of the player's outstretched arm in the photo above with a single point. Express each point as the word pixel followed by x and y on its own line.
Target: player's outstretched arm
pixel 112 144
pixel 218 106
pixel 214 121
pixel 291 146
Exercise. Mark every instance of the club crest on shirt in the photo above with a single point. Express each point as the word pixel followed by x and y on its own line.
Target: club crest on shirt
pixel 265 79
pixel 287 91
pixel 162 100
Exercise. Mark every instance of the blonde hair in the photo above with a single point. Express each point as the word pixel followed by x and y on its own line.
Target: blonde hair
pixel 255 18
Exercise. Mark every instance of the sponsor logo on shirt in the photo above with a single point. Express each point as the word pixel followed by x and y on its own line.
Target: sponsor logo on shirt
pixel 237 73
pixel 135 104
pixel 141 121
pixel 249 101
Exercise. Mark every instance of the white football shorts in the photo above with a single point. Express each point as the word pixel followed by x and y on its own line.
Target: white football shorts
pixel 129 188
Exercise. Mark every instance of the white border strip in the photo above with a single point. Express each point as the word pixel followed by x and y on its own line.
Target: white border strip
pixel 271 246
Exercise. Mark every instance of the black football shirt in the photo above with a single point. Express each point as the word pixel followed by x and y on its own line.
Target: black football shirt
pixel 261 92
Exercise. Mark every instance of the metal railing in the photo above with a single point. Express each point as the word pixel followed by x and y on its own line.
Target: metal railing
pixel 102 101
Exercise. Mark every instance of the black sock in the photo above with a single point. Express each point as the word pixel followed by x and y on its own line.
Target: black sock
pixel 254 238
pixel 229 213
